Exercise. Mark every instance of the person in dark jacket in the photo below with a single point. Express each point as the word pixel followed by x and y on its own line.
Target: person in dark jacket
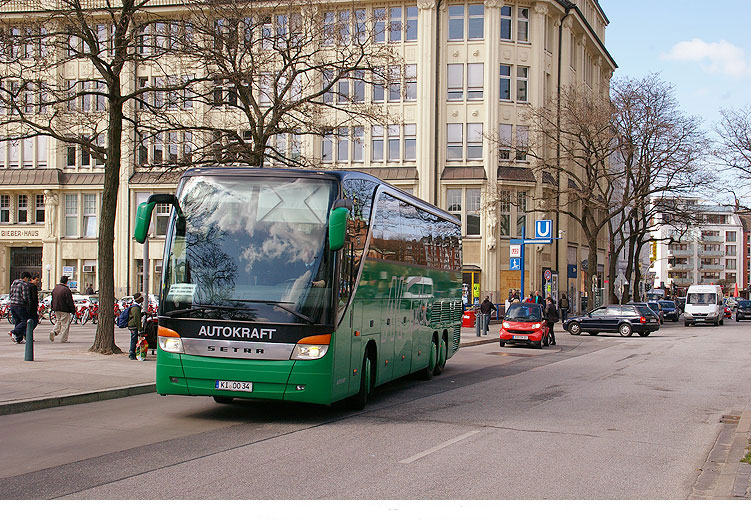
pixel 565 307
pixel 64 307
pixel 19 298
pixel 550 313
pixel 486 309
pixel 34 286
pixel 134 323
pixel 538 298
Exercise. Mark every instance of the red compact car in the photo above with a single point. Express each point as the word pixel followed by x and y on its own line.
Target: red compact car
pixel 523 324
pixel 728 312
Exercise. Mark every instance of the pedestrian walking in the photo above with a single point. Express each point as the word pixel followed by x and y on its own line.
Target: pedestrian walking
pixel 550 313
pixel 19 298
pixel 64 307
pixel 565 306
pixel 538 298
pixel 134 323
pixel 486 309
pixel 89 290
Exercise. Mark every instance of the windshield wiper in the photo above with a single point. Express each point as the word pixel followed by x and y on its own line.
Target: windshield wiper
pixel 277 304
pixel 203 307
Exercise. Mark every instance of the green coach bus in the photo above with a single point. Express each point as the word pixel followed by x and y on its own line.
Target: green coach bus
pixel 310 286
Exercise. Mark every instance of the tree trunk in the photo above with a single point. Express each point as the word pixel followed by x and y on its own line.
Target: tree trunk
pixel 104 341
pixel 591 271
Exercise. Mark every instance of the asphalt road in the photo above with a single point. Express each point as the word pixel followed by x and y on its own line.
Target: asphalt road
pixel 604 417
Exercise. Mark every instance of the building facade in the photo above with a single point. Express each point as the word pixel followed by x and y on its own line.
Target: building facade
pixel 471 71
pixel 709 253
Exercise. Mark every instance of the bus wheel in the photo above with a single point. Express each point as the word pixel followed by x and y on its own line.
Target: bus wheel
pixel 360 399
pixel 427 373
pixel 441 362
pixel 221 399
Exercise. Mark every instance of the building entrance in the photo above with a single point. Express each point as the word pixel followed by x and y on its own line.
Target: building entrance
pixel 25 259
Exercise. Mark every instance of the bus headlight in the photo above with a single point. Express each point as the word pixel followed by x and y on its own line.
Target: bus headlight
pixel 171 344
pixel 309 351
pixel 311 348
pixel 169 340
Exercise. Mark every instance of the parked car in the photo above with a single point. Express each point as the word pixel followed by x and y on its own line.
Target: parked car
pixel 621 319
pixel 704 304
pixel 654 306
pixel 728 312
pixel 523 324
pixel 670 310
pixel 743 311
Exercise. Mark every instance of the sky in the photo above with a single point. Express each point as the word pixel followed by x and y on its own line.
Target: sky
pixel 702 48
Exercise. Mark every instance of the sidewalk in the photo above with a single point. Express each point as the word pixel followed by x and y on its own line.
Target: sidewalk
pixel 63 374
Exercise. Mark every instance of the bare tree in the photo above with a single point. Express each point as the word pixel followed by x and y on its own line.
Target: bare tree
pixel 270 73
pixel 734 148
pixel 65 70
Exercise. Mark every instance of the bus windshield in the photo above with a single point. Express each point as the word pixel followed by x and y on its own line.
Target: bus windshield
pixel 250 249
pixel 701 299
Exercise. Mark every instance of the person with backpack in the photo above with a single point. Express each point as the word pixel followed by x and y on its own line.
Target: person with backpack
pixel 64 307
pixel 133 316
pixel 564 305
pixel 19 306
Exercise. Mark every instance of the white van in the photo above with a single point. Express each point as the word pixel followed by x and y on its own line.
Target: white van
pixel 704 304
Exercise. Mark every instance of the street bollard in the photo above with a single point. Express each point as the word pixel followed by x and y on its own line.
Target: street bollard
pixel 29 354
pixel 478 324
pixel 485 323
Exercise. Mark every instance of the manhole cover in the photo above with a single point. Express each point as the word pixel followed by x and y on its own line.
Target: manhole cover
pixel 730 419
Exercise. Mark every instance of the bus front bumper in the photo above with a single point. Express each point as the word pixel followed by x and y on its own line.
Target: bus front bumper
pixel 287 380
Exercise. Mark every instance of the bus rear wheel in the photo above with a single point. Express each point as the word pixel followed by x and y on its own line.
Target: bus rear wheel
pixel 441 362
pixel 427 373
pixel 360 399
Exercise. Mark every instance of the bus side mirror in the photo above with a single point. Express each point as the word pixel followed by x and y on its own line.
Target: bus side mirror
pixel 143 220
pixel 143 214
pixel 337 228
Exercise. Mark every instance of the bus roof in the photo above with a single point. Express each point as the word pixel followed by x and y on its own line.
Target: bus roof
pixel 340 175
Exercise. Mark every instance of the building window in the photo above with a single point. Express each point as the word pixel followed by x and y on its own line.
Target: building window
pixel 473 211
pixel 358 86
pixel 379 84
pixel 89 215
pixel 454 202
pixel 455 82
pixel 71 215
pixel 39 208
pixel 730 236
pixel 730 264
pixel 376 134
pixel 522 142
pixel 13 146
pixel 455 142
pixel 327 147
pixel 395 24
pixel 505 82
pixel 522 78
pixel 342 145
pixel 395 83
pixel 410 142
pixel 358 144
pixel 506 22
pixel 42 151
pixel 504 221
pixel 504 141
pixel 85 157
pixel 70 156
pixel 28 152
pixel 456 22
pixel 522 27
pixel 410 31
pixel 379 25
pixel 162 218
pixel 393 131
pixel 5 208
pixel 23 209
pixel 730 250
pixel 410 82
pixel 475 81
pixel 474 141
pixel 476 22
pixel 521 212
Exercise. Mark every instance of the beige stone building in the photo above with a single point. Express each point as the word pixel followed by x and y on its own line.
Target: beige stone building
pixel 471 69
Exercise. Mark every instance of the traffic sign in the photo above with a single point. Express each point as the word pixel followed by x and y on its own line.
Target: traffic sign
pixel 515 264
pixel 544 229
pixel 515 251
pixel 548 275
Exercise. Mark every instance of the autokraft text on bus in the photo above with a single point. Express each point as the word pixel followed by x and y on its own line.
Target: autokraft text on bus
pixel 236 332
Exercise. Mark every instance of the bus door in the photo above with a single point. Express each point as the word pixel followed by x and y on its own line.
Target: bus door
pixel 389 326
pixel 344 345
pixel 405 326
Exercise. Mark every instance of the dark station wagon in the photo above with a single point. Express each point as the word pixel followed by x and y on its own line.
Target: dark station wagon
pixel 743 310
pixel 621 319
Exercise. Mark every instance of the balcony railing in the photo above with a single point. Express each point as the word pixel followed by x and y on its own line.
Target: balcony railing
pixel 681 252
pixel 707 252
pixel 711 267
pixel 712 239
pixel 682 267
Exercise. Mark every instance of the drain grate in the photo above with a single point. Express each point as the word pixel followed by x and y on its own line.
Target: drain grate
pixel 730 419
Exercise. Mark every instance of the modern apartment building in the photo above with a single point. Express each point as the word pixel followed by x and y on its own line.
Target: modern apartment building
pixel 710 253
pixel 471 70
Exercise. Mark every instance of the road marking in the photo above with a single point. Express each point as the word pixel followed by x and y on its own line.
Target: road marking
pixel 439 447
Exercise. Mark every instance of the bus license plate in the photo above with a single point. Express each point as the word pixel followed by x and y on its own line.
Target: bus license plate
pixel 521 337
pixel 234 386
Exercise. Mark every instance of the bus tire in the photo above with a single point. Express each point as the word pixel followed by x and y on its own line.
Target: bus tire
pixel 441 362
pixel 427 373
pixel 223 399
pixel 360 399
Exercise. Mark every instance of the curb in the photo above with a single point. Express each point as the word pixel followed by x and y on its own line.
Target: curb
pixel 29 405
pixel 478 342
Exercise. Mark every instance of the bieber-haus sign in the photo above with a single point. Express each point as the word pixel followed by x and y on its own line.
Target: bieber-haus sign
pixel 21 233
